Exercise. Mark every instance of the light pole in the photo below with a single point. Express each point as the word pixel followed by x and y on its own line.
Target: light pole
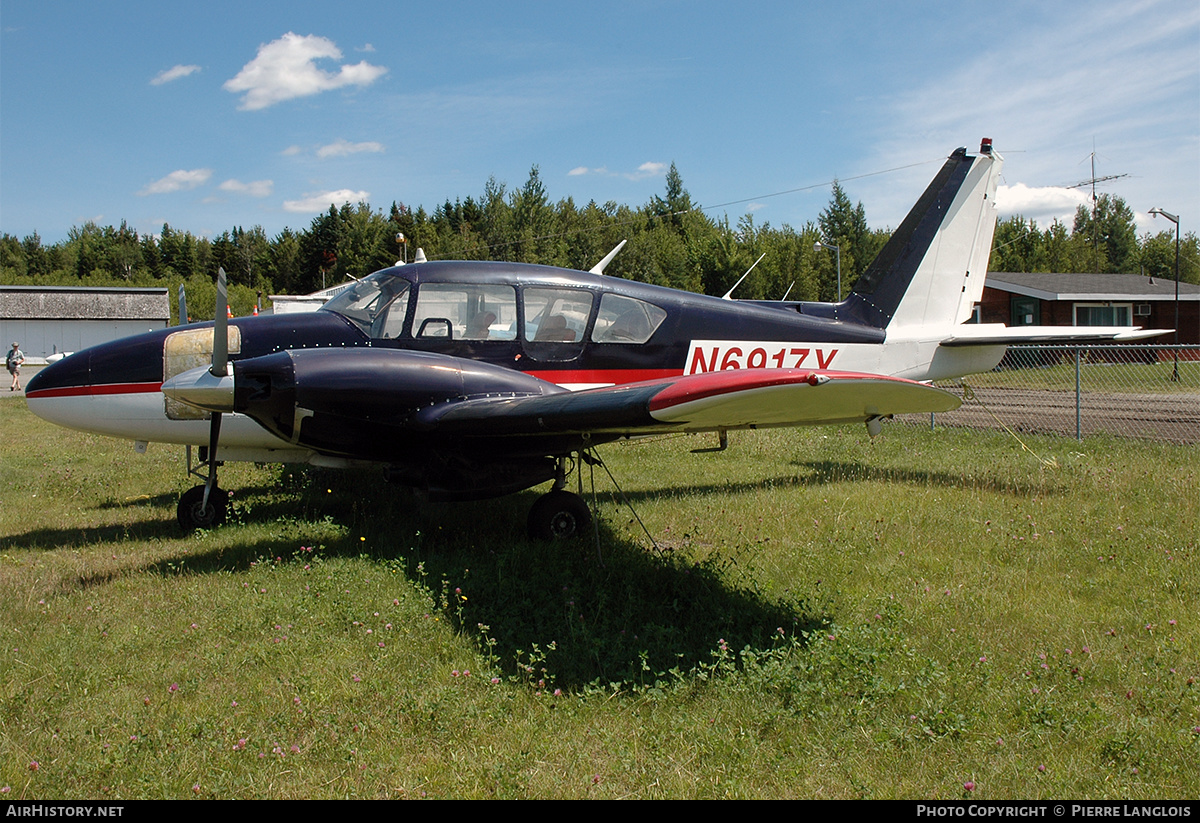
pixel 403 244
pixel 820 245
pixel 1174 218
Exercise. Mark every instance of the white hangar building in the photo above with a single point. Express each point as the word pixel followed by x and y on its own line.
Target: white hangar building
pixel 48 320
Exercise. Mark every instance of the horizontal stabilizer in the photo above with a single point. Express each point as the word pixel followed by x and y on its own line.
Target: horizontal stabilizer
pixel 994 334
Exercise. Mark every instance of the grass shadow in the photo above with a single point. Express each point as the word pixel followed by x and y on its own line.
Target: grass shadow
pixel 827 472
pixel 598 610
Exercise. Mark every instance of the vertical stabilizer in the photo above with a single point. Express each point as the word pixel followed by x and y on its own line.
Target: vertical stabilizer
pixel 931 271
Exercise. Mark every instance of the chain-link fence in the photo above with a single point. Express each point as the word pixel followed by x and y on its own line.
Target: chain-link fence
pixel 1149 392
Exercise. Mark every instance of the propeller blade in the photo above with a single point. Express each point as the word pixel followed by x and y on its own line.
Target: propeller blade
pixel 214 434
pixel 183 318
pixel 220 356
pixel 220 369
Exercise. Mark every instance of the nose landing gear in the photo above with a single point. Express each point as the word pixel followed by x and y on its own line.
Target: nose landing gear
pixel 194 514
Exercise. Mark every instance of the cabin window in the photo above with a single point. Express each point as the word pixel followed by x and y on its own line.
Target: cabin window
pixel 556 315
pixel 463 311
pixel 626 320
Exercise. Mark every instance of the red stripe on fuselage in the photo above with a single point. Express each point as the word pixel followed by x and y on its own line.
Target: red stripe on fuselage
pixel 107 388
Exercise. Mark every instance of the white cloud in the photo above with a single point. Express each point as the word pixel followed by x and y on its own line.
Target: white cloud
pixel 286 68
pixel 1041 203
pixel 644 171
pixel 255 188
pixel 291 151
pixel 313 203
pixel 647 170
pixel 342 148
pixel 178 181
pixel 173 73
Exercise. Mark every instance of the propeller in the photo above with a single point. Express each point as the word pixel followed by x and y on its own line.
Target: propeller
pixel 219 369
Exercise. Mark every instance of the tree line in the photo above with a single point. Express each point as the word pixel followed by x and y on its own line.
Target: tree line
pixel 671 242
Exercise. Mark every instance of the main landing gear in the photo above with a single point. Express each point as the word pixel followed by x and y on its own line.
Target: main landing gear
pixel 558 514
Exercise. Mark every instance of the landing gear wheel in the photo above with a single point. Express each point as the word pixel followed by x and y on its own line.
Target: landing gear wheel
pixel 192 516
pixel 558 515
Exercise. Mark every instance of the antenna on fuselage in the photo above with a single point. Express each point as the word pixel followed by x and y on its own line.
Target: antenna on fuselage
pixel 599 267
pixel 729 294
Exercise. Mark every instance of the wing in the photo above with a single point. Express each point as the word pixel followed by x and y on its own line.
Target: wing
pixel 745 398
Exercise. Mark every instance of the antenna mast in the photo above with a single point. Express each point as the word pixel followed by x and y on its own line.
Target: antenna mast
pixel 1095 203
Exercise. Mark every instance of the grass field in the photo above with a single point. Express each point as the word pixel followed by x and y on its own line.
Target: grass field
pixel 823 616
pixel 1097 374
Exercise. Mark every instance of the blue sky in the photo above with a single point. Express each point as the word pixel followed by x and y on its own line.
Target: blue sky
pixel 222 114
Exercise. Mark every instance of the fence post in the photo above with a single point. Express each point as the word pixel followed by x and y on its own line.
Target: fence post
pixel 1079 404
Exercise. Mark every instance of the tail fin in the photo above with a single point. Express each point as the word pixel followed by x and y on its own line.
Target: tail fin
pixel 931 271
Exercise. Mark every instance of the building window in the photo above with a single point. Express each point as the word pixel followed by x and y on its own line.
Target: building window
pixel 1103 314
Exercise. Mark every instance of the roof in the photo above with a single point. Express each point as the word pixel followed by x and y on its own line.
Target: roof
pixel 1125 287
pixel 83 303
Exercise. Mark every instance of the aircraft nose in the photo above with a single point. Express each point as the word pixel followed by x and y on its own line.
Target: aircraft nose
pixel 73 371
pixel 61 392
pixel 66 392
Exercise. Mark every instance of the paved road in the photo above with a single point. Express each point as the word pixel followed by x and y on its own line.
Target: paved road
pixel 26 373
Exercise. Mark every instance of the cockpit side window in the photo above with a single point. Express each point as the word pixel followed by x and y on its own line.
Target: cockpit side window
pixel 626 320
pixel 465 311
pixel 389 321
pixel 377 305
pixel 556 315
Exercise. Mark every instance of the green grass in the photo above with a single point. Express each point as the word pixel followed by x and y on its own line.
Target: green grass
pixel 823 616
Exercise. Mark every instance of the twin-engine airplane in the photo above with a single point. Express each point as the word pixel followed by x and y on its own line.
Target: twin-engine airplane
pixel 472 379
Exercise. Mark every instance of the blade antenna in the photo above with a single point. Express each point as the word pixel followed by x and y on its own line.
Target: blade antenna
pixel 729 294
pixel 599 267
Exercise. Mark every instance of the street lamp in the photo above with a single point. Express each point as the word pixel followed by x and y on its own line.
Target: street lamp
pixel 817 246
pixel 1174 218
pixel 402 242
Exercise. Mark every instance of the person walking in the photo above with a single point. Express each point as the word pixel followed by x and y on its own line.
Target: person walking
pixel 12 362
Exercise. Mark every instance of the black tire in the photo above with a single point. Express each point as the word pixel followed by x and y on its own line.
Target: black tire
pixel 558 515
pixel 192 517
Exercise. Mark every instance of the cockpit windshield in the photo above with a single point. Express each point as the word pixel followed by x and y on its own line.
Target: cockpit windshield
pixel 376 304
